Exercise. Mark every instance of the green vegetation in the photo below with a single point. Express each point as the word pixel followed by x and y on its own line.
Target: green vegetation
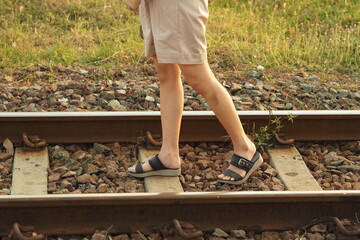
pixel 313 35
pixel 265 136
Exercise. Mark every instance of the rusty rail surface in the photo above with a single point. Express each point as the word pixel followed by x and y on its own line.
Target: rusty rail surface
pixel 81 127
pixel 74 214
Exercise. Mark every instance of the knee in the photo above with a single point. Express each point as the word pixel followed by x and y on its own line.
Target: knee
pixel 197 77
pixel 168 72
pixel 197 85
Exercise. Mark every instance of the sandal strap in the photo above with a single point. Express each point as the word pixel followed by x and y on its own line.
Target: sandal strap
pixel 243 163
pixel 155 163
pixel 138 168
pixel 232 174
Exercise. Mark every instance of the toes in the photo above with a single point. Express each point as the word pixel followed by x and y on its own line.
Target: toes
pixel 224 177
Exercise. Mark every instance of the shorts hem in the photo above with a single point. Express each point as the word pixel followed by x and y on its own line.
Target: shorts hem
pixel 182 58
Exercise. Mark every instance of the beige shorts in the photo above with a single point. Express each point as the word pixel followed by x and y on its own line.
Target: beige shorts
pixel 174 30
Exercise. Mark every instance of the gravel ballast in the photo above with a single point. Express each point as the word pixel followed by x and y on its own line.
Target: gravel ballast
pixel 335 165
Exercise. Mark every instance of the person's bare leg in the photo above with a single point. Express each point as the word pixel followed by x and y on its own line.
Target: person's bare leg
pixel 171 107
pixel 201 78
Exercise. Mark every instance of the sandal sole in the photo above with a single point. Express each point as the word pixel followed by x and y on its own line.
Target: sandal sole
pixel 163 172
pixel 256 166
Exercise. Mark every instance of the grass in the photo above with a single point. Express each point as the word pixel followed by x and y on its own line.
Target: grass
pixel 312 35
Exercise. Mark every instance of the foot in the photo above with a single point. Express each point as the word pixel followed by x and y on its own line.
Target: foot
pixel 169 160
pixel 248 153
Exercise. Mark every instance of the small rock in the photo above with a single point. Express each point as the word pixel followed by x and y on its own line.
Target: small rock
pixel 60 170
pixel 356 186
pixel 260 67
pixel 92 99
pixel 355 95
pixel 69 174
pixel 313 78
pixel 315 236
pixel 103 188
pixel 271 171
pixel 255 74
pixel 278 188
pixel 90 168
pixel 152 236
pixel 263 187
pixel 235 87
pixel 249 85
pixel 153 86
pixel 111 173
pixel 79 155
pixel 99 236
pixel 270 236
pixel 77 191
pixel 122 237
pixel 86 178
pixel 347 186
pixel 288 235
pixel 343 103
pixel 331 236
pixel 63 191
pixel 63 100
pixel 108 95
pixel 150 99
pixel 60 154
pixel 191 156
pixel 301 74
pixel 318 228
pixel 342 93
pixel 238 233
pixel 195 106
pixel 210 238
pixel 116 148
pixel 220 233
pixel 101 148
pixel 83 71
pixel 136 236
pixel 197 179
pixel 209 176
pixel 66 185
pixel 5 156
pixel 6 191
pixel 54 177
pixel 330 156
pixel 51 187
pixel 115 105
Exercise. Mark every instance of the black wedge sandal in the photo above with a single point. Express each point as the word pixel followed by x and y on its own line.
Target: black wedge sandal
pixel 242 163
pixel 158 169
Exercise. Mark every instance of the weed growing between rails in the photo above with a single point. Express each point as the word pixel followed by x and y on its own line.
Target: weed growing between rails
pixel 266 136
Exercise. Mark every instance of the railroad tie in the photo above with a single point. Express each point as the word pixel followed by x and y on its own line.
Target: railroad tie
pixel 158 183
pixel 292 169
pixel 30 174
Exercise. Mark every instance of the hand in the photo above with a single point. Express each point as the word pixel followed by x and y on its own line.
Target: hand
pixel 131 9
pixel 133 5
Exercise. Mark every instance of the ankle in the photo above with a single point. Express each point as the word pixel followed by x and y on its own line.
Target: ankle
pixel 169 155
pixel 245 147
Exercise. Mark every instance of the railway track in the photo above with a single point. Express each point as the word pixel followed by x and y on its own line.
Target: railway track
pixel 129 212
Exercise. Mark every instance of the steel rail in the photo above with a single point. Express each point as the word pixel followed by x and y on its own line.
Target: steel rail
pixel 81 127
pixel 75 214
